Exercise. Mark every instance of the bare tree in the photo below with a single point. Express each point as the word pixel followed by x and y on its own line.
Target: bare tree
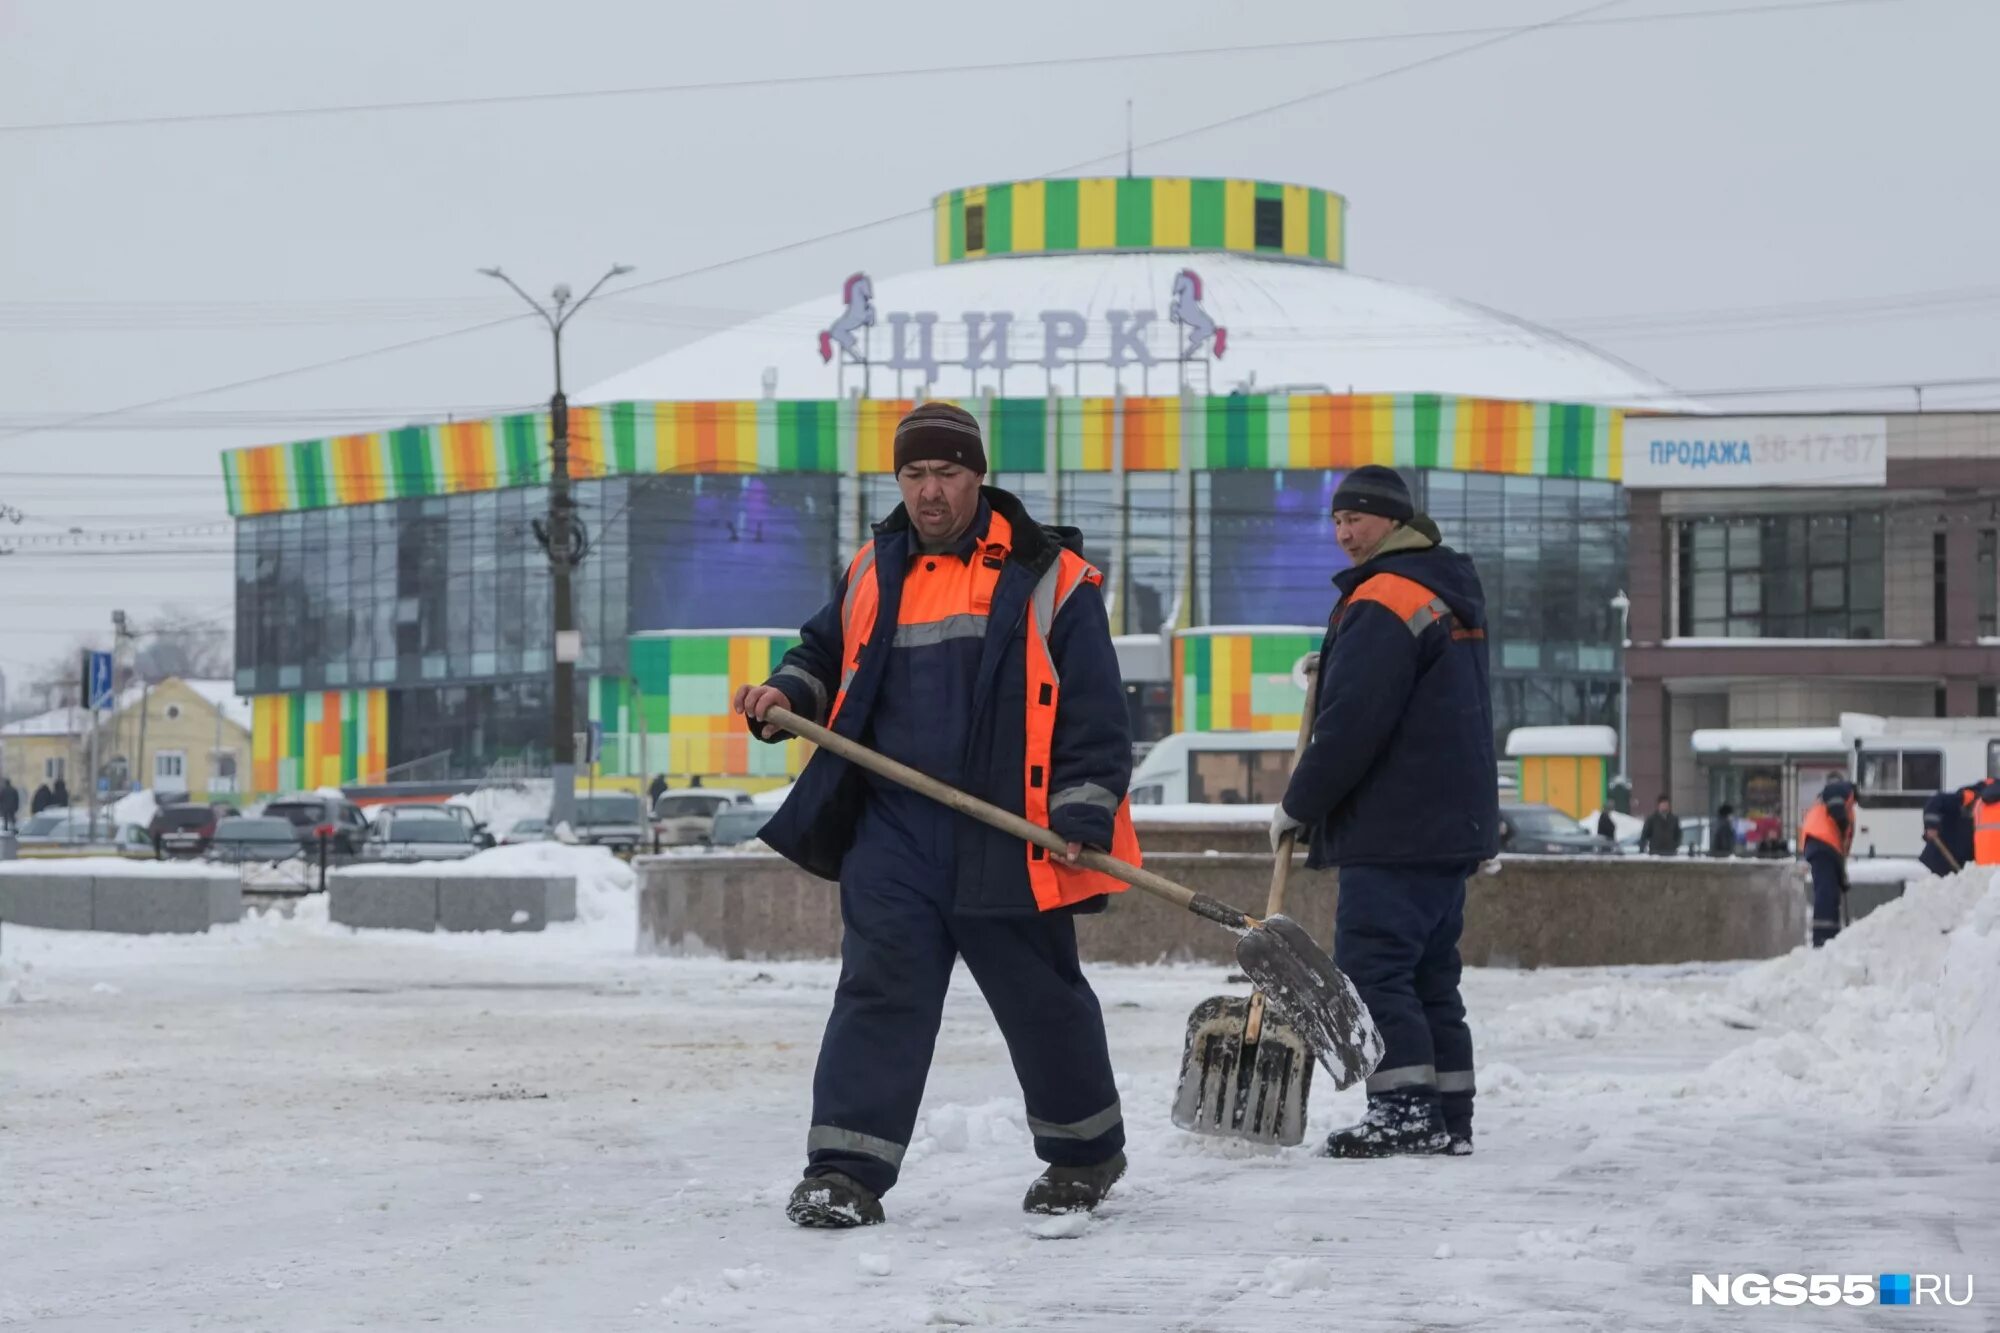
pixel 177 642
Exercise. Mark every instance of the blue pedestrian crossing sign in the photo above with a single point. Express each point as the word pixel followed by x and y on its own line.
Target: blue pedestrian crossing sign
pixel 97 680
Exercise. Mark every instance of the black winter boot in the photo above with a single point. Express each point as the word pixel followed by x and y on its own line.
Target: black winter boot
pixel 834 1201
pixel 1457 1110
pixel 1074 1189
pixel 1395 1123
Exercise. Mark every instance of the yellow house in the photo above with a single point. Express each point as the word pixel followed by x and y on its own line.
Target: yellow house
pixel 1566 767
pixel 176 736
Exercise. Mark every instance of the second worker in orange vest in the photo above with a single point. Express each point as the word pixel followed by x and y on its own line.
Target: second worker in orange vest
pixel 969 642
pixel 1825 839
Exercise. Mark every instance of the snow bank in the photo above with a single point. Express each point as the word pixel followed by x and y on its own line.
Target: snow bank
pixel 607 889
pixel 500 808
pixel 1898 1017
pixel 110 867
pixel 135 807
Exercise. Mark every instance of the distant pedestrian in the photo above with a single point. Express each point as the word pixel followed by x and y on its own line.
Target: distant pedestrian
pixel 657 788
pixel 1661 833
pixel 61 794
pixel 1607 828
pixel 10 804
pixel 695 781
pixel 1722 833
pixel 41 800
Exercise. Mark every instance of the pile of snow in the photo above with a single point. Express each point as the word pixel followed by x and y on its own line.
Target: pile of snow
pixel 113 867
pixel 135 807
pixel 1899 1016
pixel 500 808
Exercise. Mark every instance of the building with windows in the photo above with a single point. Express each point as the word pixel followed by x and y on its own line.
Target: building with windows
pixel 1786 570
pixel 1184 369
pixel 172 736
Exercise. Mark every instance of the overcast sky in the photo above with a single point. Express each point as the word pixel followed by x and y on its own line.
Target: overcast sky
pixel 1600 176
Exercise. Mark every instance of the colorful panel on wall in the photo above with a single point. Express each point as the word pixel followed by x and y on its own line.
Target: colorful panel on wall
pixel 303 741
pixel 1573 784
pixel 684 682
pixel 1246 680
pixel 1062 216
pixel 767 435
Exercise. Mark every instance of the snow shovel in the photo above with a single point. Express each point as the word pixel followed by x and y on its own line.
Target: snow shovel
pixel 1314 996
pixel 1245 1073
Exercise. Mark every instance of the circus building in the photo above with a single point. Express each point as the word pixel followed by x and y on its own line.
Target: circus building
pixel 1183 368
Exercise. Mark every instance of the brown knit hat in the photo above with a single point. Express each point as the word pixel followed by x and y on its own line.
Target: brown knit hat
pixel 939 432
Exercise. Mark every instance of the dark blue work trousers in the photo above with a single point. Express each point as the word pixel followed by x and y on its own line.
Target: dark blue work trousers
pixel 1396 935
pixel 901 938
pixel 1829 884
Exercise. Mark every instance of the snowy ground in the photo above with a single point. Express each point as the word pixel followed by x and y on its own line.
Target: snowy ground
pixel 288 1126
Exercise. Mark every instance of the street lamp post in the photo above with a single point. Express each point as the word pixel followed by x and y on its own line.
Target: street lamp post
pixel 562 539
pixel 1623 606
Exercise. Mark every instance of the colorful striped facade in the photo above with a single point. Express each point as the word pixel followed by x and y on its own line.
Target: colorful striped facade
pixel 304 741
pixel 1240 680
pixel 1112 213
pixel 856 436
pixel 681 684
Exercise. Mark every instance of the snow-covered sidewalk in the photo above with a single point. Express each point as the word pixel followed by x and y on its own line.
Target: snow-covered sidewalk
pixel 286 1126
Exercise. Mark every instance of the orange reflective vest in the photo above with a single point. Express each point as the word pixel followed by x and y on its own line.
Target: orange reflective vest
pixel 1986 833
pixel 956 600
pixel 1820 827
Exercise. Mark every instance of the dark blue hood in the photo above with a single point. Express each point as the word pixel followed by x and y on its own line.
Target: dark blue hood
pixel 1444 571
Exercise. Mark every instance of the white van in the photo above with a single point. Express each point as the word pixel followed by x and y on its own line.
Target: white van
pixel 1901 762
pixel 1216 768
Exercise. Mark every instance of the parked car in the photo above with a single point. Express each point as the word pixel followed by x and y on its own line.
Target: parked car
pixel 527 830
pixel 614 819
pixel 309 814
pixel 388 816
pixel 686 817
pixel 253 840
pixel 421 840
pixel 184 829
pixel 134 842
pixel 738 824
pixel 65 828
pixel 1543 830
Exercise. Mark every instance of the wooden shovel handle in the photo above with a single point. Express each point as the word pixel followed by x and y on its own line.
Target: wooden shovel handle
pixel 1007 822
pixel 1281 869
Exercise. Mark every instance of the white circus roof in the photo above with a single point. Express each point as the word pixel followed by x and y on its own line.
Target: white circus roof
pixel 1289 326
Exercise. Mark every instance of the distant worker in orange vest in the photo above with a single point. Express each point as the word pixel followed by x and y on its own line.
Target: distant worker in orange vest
pixel 1825 839
pixel 1986 826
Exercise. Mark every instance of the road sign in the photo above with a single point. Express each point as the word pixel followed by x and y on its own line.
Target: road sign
pixel 96 680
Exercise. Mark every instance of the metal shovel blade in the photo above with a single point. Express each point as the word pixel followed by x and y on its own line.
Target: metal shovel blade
pixel 1237 1090
pixel 1313 997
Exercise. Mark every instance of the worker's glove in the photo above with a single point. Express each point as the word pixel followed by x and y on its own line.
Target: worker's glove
pixel 1281 824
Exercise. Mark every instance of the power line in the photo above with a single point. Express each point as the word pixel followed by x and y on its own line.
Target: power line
pixel 921 71
pixel 857 228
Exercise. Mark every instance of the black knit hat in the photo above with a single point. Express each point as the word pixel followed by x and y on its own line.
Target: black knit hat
pixel 1375 489
pixel 941 433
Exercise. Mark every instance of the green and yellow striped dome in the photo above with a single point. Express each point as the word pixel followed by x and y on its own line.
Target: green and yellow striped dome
pixel 1139 213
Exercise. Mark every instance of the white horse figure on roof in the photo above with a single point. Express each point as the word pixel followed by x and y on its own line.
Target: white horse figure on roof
pixel 859 293
pixel 1186 311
